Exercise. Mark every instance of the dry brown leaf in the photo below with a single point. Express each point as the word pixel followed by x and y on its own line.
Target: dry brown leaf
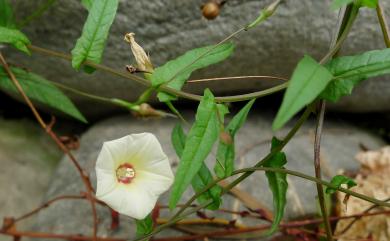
pixel 373 180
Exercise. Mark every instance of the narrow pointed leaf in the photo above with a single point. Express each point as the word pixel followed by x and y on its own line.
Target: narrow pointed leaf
pixel 203 178
pixel 338 180
pixel 351 70
pixel 15 38
pixel 336 4
pixel 199 142
pixel 226 153
pixel 278 185
pixel 6 16
pixel 144 226
pixel 91 43
pixel 308 81
pixel 40 90
pixel 176 72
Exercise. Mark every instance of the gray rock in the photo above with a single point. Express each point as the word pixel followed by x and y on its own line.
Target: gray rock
pixel 168 28
pixel 340 144
pixel 27 159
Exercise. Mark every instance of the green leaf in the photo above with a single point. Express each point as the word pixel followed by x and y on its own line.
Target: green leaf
pixel 91 43
pixel 199 142
pixel 176 72
pixel 40 90
pixel 144 226
pixel 336 4
pixel 369 3
pixel 351 70
pixel 87 4
pixel 338 180
pixel 225 154
pixel 6 16
pixel 308 81
pixel 278 185
pixel 14 37
pixel 178 138
pixel 203 178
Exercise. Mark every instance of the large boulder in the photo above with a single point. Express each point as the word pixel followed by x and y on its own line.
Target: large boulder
pixel 168 28
pixel 340 144
pixel 28 158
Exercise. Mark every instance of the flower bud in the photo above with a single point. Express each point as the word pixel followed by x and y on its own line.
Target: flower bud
pixel 226 138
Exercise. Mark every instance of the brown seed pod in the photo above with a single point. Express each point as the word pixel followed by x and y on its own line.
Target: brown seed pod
pixel 211 9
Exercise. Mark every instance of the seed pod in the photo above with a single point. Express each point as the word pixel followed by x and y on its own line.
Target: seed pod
pixel 211 9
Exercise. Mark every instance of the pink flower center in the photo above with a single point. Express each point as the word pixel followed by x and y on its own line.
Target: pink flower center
pixel 125 173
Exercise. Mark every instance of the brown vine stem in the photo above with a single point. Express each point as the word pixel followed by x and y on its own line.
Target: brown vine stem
pixel 346 19
pixel 287 225
pixel 317 168
pixel 383 22
pixel 47 204
pixel 49 131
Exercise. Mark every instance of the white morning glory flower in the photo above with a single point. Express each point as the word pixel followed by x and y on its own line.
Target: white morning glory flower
pixel 132 172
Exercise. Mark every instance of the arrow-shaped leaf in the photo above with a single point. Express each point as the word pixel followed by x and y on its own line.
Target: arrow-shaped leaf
pixel 278 185
pixel 308 81
pixel 199 142
pixel 351 70
pixel 176 72
pixel 91 43
pixel 203 178
pixel 41 90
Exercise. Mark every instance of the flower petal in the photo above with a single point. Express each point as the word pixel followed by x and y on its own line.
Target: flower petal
pixel 106 181
pixel 105 160
pixel 131 200
pixel 154 183
pixel 152 158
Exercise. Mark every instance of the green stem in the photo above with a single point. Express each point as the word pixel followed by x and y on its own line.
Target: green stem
pixel 82 93
pixel 145 82
pixel 37 13
pixel 384 26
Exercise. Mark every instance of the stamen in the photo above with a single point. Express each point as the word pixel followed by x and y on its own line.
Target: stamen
pixel 125 173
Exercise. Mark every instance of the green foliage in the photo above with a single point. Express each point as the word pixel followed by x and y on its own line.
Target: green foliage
pixel 369 3
pixel 144 226
pixel 203 178
pixel 308 81
pixel 14 37
pixel 351 70
pixel 336 4
pixel 87 4
pixel 41 90
pixel 278 184
pixel 199 142
pixel 6 16
pixel 91 43
pixel 225 154
pixel 176 72
pixel 338 180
